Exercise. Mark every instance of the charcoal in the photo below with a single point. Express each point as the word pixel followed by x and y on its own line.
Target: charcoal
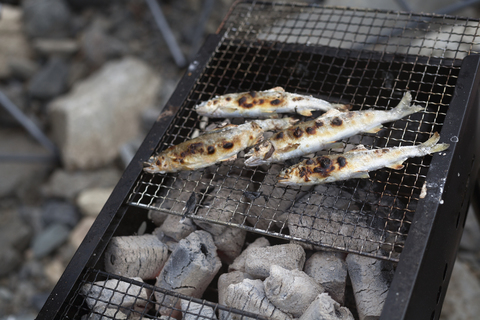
pixel 291 291
pixel 194 311
pixel 177 227
pixel 371 280
pixel 224 281
pixel 230 243
pixel 239 263
pixel 189 269
pixel 260 259
pixel 330 270
pixel 325 308
pixel 249 295
pixel 136 256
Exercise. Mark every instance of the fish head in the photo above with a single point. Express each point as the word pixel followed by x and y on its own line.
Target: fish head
pixel 259 154
pixel 156 164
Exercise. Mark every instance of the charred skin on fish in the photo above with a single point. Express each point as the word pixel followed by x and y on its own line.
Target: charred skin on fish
pixel 315 135
pixel 355 163
pixel 266 103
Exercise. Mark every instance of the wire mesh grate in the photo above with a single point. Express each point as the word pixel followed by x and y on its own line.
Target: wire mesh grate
pixel 102 295
pixel 366 58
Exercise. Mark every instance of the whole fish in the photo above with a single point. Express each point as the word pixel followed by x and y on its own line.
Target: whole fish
pixel 315 135
pixel 221 144
pixel 355 163
pixel 266 103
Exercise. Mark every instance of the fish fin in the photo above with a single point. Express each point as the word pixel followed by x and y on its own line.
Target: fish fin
pixel 360 175
pixel 277 89
pixel 405 108
pixel 360 147
pixel 396 166
pixel 234 157
pixel 330 113
pixel 341 107
pixel 305 113
pixel 433 145
pixel 375 129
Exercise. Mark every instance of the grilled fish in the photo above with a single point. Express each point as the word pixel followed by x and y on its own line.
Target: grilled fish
pixel 315 135
pixel 221 144
pixel 355 163
pixel 266 103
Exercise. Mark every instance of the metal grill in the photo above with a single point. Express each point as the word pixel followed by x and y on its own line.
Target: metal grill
pixel 115 297
pixel 362 57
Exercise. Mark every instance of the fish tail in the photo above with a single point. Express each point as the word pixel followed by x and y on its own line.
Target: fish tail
pixel 432 144
pixel 404 108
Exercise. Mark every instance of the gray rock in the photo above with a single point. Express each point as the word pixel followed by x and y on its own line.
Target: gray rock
pixel 91 201
pixel 101 112
pixel 14 232
pixel 68 184
pixel 47 18
pixel 15 45
pixel 330 270
pixel 50 81
pixel 471 234
pixel 57 211
pixel 10 259
pixel 98 46
pixel 22 67
pixel 49 239
pixel 463 294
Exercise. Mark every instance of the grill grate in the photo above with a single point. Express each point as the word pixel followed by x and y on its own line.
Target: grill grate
pixel 115 297
pixel 367 58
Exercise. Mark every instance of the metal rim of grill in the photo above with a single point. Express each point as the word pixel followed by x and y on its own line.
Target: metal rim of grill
pixel 367 58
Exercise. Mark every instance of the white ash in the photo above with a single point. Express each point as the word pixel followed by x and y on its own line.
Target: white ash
pixel 239 263
pixel 136 256
pixel 291 291
pixel 330 270
pixel 193 311
pixel 224 281
pixel 371 280
pixel 189 269
pixel 325 308
pixel 260 259
pixel 249 295
pixel 102 295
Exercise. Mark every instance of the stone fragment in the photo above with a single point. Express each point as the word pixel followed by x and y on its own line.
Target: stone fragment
pixel 47 18
pixel 63 47
pixel 291 291
pixel 193 311
pixel 58 211
pixel 10 259
pixel 463 294
pixel 325 308
pixel 177 227
pixel 15 44
pixel 113 293
pixel 80 231
pixel 188 270
pixel 50 81
pixel 68 184
pixel 100 113
pixel 329 269
pixel 239 262
pixel 49 239
pixel 249 295
pixel 230 243
pixel 136 256
pixel 14 232
pixel 259 260
pixel 91 201
pixel 371 280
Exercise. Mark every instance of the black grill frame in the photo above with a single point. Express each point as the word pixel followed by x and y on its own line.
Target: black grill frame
pixel 425 265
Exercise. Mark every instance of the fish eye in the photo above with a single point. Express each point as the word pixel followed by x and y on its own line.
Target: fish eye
pixel 158 162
